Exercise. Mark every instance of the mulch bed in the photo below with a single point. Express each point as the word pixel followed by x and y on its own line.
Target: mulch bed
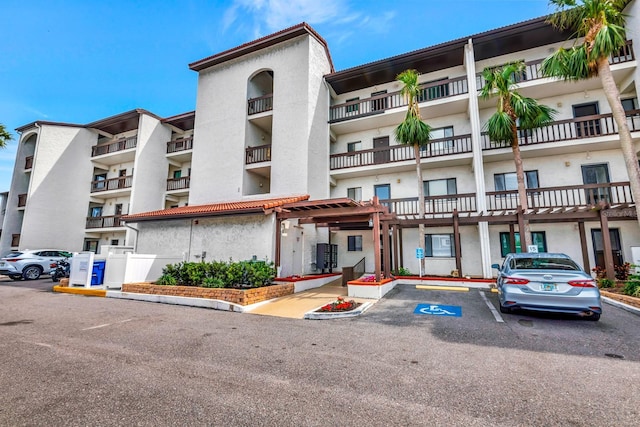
pixel 616 294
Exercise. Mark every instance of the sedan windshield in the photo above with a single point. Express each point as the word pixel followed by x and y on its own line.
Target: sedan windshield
pixel 544 264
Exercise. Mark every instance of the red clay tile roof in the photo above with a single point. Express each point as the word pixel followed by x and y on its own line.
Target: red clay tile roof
pixel 225 208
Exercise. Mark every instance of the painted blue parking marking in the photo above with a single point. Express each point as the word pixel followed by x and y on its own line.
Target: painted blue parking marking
pixel 439 310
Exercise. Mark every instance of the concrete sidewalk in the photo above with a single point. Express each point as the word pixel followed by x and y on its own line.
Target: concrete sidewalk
pixel 295 306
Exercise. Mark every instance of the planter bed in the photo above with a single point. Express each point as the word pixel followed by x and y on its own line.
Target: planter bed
pixel 629 300
pixel 235 296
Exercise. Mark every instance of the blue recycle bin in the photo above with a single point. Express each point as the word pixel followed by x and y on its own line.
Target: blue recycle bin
pixel 97 274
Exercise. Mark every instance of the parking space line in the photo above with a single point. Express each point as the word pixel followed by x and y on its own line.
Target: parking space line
pixel 105 325
pixel 495 312
pixel 442 288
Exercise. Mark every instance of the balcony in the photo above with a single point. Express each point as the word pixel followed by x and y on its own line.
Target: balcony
pixel 260 105
pixel 182 183
pixel 532 68
pixel 28 162
pixel 573 196
pixel 15 240
pixel 120 151
pixel 399 153
pixel 104 222
pixel 22 200
pixel 179 145
pixel 376 105
pixel 120 183
pixel 258 154
pixel 600 125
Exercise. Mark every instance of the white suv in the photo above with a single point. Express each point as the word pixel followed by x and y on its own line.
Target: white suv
pixel 30 264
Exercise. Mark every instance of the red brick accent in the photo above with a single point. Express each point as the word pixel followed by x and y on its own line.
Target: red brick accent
pixel 236 296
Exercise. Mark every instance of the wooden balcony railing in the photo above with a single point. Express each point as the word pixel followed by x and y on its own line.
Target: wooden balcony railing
pixel 113 147
pixel 615 193
pixel 258 154
pixel 260 105
pixel 22 200
pixel 380 103
pixel 180 145
pixel 15 240
pixel 532 70
pixel 111 184
pixel 398 153
pixel 570 129
pixel 178 183
pixel 103 221
pixel 28 162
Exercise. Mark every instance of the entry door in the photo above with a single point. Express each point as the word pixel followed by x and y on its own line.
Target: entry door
pixel 598 246
pixel 122 178
pixel 383 145
pixel 383 191
pixel 586 128
pixel 118 214
pixel 596 174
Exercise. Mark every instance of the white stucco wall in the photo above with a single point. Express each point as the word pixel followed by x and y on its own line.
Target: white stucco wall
pixel 238 237
pixel 58 190
pixel 299 124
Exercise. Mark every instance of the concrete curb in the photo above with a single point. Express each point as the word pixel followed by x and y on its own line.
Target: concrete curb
pixel 314 315
pixel 80 291
pixel 621 305
pixel 185 301
pixel 442 288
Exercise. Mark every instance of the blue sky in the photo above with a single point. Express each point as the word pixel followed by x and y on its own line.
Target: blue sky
pixel 78 61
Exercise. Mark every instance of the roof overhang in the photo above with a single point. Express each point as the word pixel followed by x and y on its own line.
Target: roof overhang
pixel 262 43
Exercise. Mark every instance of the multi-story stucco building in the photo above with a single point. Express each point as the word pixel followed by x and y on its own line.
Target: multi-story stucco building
pixel 284 158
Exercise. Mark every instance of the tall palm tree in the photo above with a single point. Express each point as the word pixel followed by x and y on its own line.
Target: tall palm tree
pixel 5 136
pixel 413 131
pixel 601 23
pixel 513 110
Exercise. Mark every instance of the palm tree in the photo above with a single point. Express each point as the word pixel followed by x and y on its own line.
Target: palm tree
pixel 5 136
pixel 601 23
pixel 413 131
pixel 513 110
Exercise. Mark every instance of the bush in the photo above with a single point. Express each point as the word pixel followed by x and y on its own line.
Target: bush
pixel 219 274
pixel 631 287
pixel 403 272
pixel 622 271
pixel 605 283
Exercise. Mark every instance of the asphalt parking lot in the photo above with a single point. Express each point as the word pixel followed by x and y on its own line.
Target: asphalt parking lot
pixel 77 360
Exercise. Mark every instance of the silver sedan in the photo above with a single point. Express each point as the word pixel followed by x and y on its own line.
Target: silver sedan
pixel 550 282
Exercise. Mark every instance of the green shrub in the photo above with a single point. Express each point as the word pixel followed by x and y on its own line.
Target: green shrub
pixel 166 280
pixel 212 282
pixel 605 283
pixel 219 274
pixel 631 287
pixel 403 272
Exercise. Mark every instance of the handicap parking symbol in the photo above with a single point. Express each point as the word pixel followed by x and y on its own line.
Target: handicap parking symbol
pixel 439 310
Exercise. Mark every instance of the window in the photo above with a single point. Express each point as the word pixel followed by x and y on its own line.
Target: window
pixel 383 191
pixel 433 91
pixel 355 193
pixel 354 146
pixel 96 211
pixel 114 242
pixel 99 185
pixel 353 108
pixel 439 134
pixel 354 243
pixel 380 103
pixel 509 181
pixel 439 246
pixel 177 174
pixel 630 104
pixel 440 187
pixel 588 127
pixel 538 237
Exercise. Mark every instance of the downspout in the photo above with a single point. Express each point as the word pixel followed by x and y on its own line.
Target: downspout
pixel 135 243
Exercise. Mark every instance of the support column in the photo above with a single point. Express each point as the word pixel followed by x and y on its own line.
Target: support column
pixel 478 166
pixel 456 236
pixel 376 244
pixel 386 249
pixel 401 247
pixel 278 243
pixel 583 245
pixel 396 260
pixel 606 243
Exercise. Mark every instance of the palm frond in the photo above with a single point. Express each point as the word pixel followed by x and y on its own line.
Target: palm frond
pixel 500 128
pixel 5 136
pixel 569 64
pixel 413 131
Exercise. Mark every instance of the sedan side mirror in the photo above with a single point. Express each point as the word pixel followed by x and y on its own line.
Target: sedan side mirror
pixel 496 266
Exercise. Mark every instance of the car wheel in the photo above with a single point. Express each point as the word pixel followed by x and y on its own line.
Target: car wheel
pixel 594 317
pixel 32 272
pixel 504 310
